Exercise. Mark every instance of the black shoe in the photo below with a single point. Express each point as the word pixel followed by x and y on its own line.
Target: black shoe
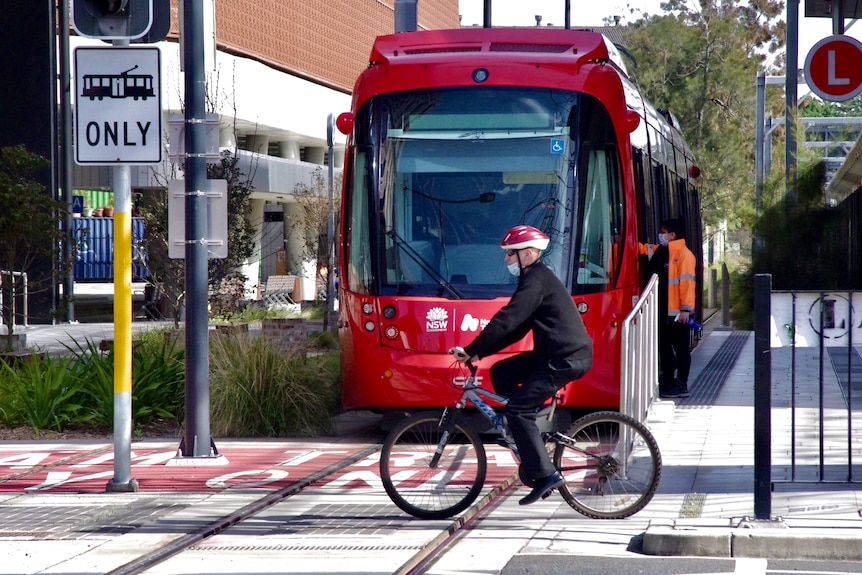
pixel 543 488
pixel 673 393
pixel 683 388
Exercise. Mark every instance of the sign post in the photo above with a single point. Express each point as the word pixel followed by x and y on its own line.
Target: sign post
pixel 833 68
pixel 118 122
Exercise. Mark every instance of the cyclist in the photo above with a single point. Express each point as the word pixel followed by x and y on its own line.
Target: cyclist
pixel 562 350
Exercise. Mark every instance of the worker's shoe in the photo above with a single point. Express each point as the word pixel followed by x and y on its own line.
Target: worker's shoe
pixel 675 392
pixel 543 488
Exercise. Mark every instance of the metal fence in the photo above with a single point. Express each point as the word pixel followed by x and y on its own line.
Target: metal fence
pixel 806 416
pixel 639 355
pixel 17 307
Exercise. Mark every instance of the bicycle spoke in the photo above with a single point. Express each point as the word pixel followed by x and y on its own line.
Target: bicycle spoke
pixel 425 491
pixel 613 469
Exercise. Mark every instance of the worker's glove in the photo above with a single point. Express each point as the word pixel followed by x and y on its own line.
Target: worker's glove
pixel 459 353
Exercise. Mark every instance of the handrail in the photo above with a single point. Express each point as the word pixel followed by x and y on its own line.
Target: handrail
pixel 639 354
pixel 12 314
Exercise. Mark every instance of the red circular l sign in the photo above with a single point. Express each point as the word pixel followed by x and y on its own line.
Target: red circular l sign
pixel 833 68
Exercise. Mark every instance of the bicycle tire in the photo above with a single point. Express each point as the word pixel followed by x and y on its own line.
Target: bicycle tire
pixel 600 483
pixel 425 492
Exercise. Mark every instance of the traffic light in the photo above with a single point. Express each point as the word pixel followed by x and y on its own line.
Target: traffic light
pixel 112 19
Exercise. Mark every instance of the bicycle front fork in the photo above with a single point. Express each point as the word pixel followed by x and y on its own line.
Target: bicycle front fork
pixel 446 425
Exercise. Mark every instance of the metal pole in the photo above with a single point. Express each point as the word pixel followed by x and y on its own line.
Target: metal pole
pixel 762 398
pixel 197 441
pixel 122 184
pixel 790 97
pixel 759 114
pixel 330 225
pixel 486 14
pixel 65 158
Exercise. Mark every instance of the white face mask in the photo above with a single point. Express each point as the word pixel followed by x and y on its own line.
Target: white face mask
pixel 514 269
pixel 662 239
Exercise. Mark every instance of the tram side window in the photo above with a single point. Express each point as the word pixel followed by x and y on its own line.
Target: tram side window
pixel 359 272
pixel 601 224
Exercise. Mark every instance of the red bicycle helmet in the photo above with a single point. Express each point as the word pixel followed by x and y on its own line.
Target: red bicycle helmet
pixel 521 237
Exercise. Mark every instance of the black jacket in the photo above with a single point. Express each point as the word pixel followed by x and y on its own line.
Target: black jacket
pixel 541 303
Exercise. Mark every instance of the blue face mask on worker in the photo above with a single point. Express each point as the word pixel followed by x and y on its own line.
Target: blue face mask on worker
pixel 514 269
pixel 662 239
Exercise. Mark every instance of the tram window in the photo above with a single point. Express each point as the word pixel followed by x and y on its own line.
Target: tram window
pixel 602 218
pixel 660 191
pixel 647 231
pixel 359 271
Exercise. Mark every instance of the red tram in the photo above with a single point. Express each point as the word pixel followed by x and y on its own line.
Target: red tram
pixel 454 137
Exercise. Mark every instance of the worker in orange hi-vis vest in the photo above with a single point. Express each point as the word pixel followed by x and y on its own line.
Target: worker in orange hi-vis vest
pixel 676 268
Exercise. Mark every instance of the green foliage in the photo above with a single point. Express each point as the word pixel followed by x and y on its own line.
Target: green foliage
pixel 41 393
pixel 258 389
pixel 158 379
pixel 240 232
pixel 701 66
pixel 817 108
pixel 94 369
pixel 252 313
pixel 323 339
pixel 169 274
pixel 28 223
pixel 794 233
pixel 742 299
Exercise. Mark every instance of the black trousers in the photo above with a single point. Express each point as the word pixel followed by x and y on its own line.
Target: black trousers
pixel 528 381
pixel 675 361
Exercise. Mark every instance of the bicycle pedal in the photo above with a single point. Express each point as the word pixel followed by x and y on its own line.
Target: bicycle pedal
pixel 548 493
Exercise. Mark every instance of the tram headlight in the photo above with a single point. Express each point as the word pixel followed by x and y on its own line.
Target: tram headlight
pixel 583 307
pixel 389 312
pixel 367 308
pixel 480 75
pixel 369 325
pixel 390 332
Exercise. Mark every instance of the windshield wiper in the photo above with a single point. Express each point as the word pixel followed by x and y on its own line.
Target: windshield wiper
pixel 423 263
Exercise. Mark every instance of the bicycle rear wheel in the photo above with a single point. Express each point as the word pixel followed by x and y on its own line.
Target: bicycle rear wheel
pixel 611 463
pixel 432 492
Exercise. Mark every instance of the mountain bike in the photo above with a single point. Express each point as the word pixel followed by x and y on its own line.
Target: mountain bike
pixel 433 465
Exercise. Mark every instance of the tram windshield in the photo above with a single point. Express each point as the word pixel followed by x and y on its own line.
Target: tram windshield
pixel 438 176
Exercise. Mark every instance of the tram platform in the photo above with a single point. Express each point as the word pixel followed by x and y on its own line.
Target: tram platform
pixel 60 520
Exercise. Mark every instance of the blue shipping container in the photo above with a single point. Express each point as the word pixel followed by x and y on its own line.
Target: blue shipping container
pixel 94 239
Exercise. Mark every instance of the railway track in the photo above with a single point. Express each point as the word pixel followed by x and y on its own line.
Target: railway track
pixel 442 535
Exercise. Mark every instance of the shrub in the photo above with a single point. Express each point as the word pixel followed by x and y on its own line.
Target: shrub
pixel 41 393
pixel 259 390
pixel 158 377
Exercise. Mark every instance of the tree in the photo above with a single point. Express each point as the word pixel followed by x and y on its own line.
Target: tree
pixel 805 258
pixel 226 281
pixel 28 227
pixel 701 65
pixel 310 223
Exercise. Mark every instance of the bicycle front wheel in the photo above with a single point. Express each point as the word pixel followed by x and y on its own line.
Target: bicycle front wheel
pixel 611 463
pixel 426 486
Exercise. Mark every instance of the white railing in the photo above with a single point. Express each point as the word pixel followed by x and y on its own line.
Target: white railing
pixel 639 355
pixel 13 275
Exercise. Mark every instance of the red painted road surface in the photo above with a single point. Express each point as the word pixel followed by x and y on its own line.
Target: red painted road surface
pixel 69 468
